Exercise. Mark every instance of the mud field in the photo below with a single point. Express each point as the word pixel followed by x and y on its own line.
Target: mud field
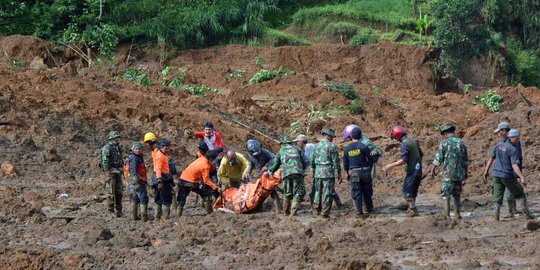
pixel 52 210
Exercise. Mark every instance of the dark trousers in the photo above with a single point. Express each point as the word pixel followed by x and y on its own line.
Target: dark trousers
pixel 164 197
pixel 188 187
pixel 411 183
pixel 362 191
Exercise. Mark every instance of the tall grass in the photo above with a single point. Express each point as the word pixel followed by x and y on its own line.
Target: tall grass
pixel 393 12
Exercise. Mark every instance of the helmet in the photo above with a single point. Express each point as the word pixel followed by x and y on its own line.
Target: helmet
pixel 347 131
pixel 356 133
pixel 149 137
pixel 447 128
pixel 397 132
pixel 329 131
pixel 284 139
pixel 136 145
pixel 113 135
pixel 163 143
pixel 253 147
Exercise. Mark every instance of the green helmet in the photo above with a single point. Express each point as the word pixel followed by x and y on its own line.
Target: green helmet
pixel 136 145
pixel 329 131
pixel 447 128
pixel 114 134
pixel 285 139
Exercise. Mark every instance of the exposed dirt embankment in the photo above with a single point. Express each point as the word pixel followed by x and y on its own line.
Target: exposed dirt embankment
pixel 52 212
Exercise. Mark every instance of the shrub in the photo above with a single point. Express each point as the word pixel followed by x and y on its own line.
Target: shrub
pixel 199 90
pixel 342 29
pixel 18 62
pixel 279 38
pixel 525 67
pixel 136 75
pixel 364 37
pixel 356 106
pixel 266 75
pixel 490 99
pixel 236 74
pixel 345 89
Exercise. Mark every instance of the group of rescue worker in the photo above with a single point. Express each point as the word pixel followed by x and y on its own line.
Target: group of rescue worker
pixel 217 168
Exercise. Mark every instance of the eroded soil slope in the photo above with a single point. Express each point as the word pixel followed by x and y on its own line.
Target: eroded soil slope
pixel 52 213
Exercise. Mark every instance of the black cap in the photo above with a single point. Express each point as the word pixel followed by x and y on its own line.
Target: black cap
pixel 356 133
pixel 202 145
pixel 212 154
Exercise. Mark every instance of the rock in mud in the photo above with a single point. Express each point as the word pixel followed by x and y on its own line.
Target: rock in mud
pixel 8 169
pixel 532 225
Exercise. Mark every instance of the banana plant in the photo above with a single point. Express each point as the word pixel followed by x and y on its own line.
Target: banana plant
pixel 423 24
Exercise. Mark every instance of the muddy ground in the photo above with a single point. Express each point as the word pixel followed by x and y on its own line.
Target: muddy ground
pixel 52 213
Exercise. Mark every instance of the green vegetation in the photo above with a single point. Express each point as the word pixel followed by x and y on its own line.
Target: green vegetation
pixel 490 99
pixel 341 29
pixel 236 74
pixel 364 37
pixel 259 61
pixel 200 90
pixel 137 76
pixel 376 89
pixel 393 12
pixel 345 89
pixel 174 81
pixel 18 63
pixel 356 106
pixel 268 74
pixel 278 38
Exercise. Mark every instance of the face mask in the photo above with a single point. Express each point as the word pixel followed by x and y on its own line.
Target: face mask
pixel 234 162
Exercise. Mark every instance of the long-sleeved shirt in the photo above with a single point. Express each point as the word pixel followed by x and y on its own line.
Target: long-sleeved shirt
pixel 214 141
pixel 233 173
pixel 290 159
pixel 161 164
pixel 264 158
pixel 199 171
pixel 325 160
pixel 357 155
pixel 137 167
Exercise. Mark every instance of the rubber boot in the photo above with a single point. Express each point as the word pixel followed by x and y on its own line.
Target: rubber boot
pixel 144 212
pixel 512 210
pixel 294 207
pixel 287 206
pixel 208 206
pixel 412 211
pixel 457 211
pixel 276 201
pixel 497 211
pixel 158 212
pixel 179 211
pixel 337 200
pixel 118 203
pixel 134 211
pixel 326 209
pixel 166 211
pixel 525 207
pixel 446 207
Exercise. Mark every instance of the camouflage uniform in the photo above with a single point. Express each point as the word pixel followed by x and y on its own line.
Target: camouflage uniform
pixel 112 163
pixel 452 152
pixel 291 160
pixel 325 164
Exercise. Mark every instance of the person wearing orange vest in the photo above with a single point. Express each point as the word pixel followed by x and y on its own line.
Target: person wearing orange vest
pixel 164 180
pixel 196 178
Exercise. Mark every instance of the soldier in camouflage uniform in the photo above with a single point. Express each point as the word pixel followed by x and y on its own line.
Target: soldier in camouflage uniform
pixel 325 164
pixel 452 154
pixel 291 160
pixel 112 163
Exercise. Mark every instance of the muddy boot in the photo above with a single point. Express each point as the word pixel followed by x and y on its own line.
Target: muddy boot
pixel 512 210
pixel 446 207
pixel 208 206
pixel 457 211
pixel 118 203
pixel 287 206
pixel 158 212
pixel 337 200
pixel 326 210
pixel 144 212
pixel 525 207
pixel 179 211
pixel 497 211
pixel 166 211
pixel 276 201
pixel 412 211
pixel 134 211
pixel 294 207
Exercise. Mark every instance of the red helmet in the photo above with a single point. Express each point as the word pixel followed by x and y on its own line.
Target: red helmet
pixel 397 132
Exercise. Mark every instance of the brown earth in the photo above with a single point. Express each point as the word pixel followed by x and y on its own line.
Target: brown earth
pixel 52 213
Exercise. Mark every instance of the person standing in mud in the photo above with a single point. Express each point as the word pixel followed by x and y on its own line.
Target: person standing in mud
pixel 291 161
pixel 502 129
pixel 260 158
pixel 358 161
pixel 138 182
pixel 325 165
pixel 164 181
pixel 196 178
pixel 209 135
pixel 506 159
pixel 112 163
pixel 411 156
pixel 452 153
